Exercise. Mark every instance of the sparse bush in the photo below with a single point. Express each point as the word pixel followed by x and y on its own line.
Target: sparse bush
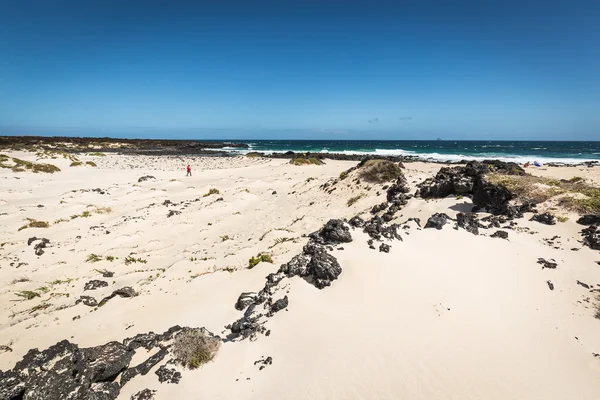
pixel 129 260
pixel 103 210
pixel 576 179
pixel 76 164
pixel 211 192
pixel 22 165
pixel 19 280
pixel 262 257
pixel 380 171
pixel 35 224
pixel 354 199
pixel 282 240
pixel 91 163
pixel 96 154
pixel 93 258
pixel 86 214
pixel 305 161
pixel 224 238
pixel 254 155
pixel 344 175
pixel 58 221
pixel 27 294
pixel 562 218
pixel 195 347
pixel 110 258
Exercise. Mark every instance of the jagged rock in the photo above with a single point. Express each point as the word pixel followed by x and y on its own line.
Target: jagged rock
pixel 384 248
pixel 589 219
pixel 591 237
pixel 173 212
pixel 107 274
pixel 126 291
pixel 95 284
pixel 151 340
pixel 169 375
pixel 550 285
pixel 378 208
pixel 396 192
pixel 585 285
pixel 322 267
pixel 356 222
pixel 494 198
pixel 547 264
pixel 88 301
pixel 516 211
pixel 39 247
pixel 334 232
pixel 387 217
pixel 500 234
pixel 145 394
pixel 437 221
pixel 297 266
pixel 376 228
pixel 107 361
pixel 468 222
pixel 245 300
pixel 545 218
pixel 144 367
pixel 145 178
pixel 263 363
pixel 279 305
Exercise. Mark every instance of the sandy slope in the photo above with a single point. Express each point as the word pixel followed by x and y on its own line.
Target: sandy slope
pixel 444 315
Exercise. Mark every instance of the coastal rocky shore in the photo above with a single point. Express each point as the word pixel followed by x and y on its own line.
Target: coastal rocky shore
pixel 276 279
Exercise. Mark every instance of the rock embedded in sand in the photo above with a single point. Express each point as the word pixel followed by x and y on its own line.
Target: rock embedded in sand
pixel 169 375
pixel 145 394
pixel 437 221
pixel 126 291
pixel 334 232
pixel 245 300
pixel 356 222
pixel 550 285
pixel 589 219
pixel 468 222
pixel 38 248
pixel 585 285
pixel 95 284
pixel 547 264
pixel 544 218
pixel 500 234
pixel 145 178
pixel 384 248
pixel 173 212
pixel 279 305
pixel 591 237
pixel 87 300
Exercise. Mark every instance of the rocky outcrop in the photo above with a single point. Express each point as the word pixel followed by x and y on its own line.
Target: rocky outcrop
pixel 95 284
pixel 126 291
pixel 589 219
pixel 334 232
pixel 279 305
pixel 591 237
pixel 468 222
pixel 437 221
pixel 376 228
pixel 494 198
pixel 146 178
pixel 168 375
pixel 356 222
pixel 544 218
pixel 551 264
pixel 500 234
pixel 245 300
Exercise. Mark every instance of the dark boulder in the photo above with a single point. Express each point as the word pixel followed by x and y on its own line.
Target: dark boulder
pixel 169 375
pixel 545 218
pixel 591 237
pixel 322 267
pixel 550 285
pixel 40 246
pixel 126 291
pixel 494 198
pixel 589 219
pixel 500 234
pixel 245 300
pixel 437 221
pixel 356 222
pixel 334 232
pixel 279 305
pixel 379 207
pixel 145 178
pixel 468 222
pixel 87 300
pixel 384 248
pixel 145 394
pixel 95 284
pixel 547 264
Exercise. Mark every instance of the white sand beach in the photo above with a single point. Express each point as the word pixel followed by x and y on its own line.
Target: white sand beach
pixel 445 314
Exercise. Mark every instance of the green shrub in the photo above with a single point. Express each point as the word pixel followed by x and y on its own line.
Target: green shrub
pixel 129 260
pixel 195 347
pixel 305 161
pixel 262 257
pixel 211 192
pixel 254 155
pixel 96 154
pixel 27 294
pixel 91 163
pixel 93 258
pixel 380 171
pixel 35 224
pixel 76 164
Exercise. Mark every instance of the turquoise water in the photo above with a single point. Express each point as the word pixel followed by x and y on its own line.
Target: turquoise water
pixel 442 150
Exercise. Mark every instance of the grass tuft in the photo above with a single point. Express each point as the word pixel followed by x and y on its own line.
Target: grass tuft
pixel 130 260
pixel 380 171
pixel 262 257
pixel 35 224
pixel 93 258
pixel 27 294
pixel 305 161
pixel 195 347
pixel 76 164
pixel 91 163
pixel 354 199
pixel 211 192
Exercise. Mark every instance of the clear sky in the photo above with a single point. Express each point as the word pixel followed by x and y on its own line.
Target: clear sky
pixel 301 69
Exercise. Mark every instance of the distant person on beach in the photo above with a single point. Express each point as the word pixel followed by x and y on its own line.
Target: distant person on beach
pixel 189 170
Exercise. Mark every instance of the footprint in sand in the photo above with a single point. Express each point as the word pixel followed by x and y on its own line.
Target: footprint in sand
pixel 441 309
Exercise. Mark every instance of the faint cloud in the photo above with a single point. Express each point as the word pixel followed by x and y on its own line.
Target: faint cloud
pixel 373 121
pixel 405 118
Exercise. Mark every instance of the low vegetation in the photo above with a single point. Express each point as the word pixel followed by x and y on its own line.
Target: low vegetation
pixel 211 192
pixel 91 163
pixel 254 154
pixel 224 238
pixel 305 161
pixel 22 165
pixel 380 171
pixel 282 240
pixel 573 194
pixel 130 260
pixel 262 257
pixel 96 154
pixel 195 347
pixel 34 224
pixel 76 164
pixel 93 258
pixel 27 294
pixel 354 199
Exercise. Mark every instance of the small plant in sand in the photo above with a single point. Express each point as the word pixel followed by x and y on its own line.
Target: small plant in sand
pixel 110 258
pixel 224 238
pixel 39 307
pixel 76 164
pixel 561 218
pixel 27 294
pixel 131 260
pixel 34 224
pixel 92 258
pixel 282 240
pixel 86 214
pixel 20 280
pixel 380 171
pixel 96 154
pixel 91 163
pixel 211 192
pixel 195 347
pixel 58 221
pixel 22 165
pixel 253 154
pixel 344 175
pixel 262 257
pixel 305 161
pixel 60 282
pixel 354 199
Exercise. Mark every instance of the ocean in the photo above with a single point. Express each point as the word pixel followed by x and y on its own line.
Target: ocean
pixel 439 150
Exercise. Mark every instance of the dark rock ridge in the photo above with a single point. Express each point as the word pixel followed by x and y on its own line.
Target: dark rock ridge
pixel 334 232
pixel 65 371
pixel 544 218
pixel 126 291
pixel 500 234
pixel 591 237
pixel 437 221
pixel 468 222
pixel 146 178
pixel 589 219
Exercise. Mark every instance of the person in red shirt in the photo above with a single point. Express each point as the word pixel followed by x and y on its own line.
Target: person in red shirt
pixel 189 170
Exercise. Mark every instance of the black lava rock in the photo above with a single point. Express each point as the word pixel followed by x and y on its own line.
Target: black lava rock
pixel 591 237
pixel 169 375
pixel 279 305
pixel 500 234
pixel 547 264
pixel 437 221
pixel 589 219
pixel 468 221
pixel 334 232
pixel 384 248
pixel 145 178
pixel 95 284
pixel 544 218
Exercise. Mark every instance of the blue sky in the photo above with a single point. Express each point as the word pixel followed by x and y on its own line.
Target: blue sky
pixel 301 69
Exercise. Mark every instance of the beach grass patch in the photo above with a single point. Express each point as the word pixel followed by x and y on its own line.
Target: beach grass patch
pixel 299 161
pixel 195 347
pixel 92 258
pixel 91 163
pixel 34 224
pixel 380 171
pixel 97 154
pixel 254 154
pixel 262 257
pixel 22 165
pixel 27 294
pixel 211 192
pixel 354 199
pixel 76 164
pixel 131 260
